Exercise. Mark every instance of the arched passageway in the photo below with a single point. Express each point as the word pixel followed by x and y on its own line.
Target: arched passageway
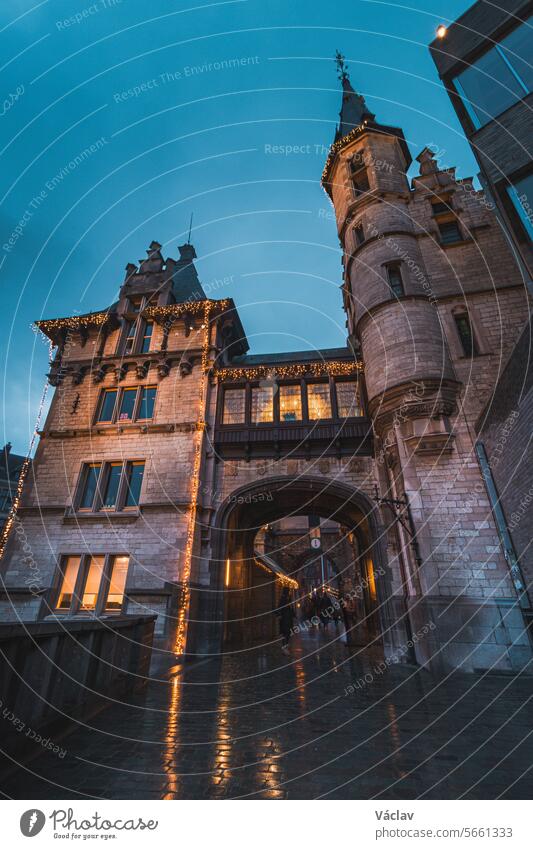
pixel 237 613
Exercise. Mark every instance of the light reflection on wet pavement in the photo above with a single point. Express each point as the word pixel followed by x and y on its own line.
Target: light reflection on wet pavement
pixel 258 724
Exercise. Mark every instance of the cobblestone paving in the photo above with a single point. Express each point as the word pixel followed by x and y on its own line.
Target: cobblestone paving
pixel 261 725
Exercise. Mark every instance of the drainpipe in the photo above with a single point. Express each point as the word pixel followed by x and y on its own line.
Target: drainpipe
pixel 503 531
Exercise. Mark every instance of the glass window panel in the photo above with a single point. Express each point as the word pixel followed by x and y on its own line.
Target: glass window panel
pixel 348 399
pixel 117 584
pixel 89 486
pixel 147 336
pixel 518 51
pixel 490 86
pixel 130 337
pixel 395 280
pixel 135 479
pixel 290 403
pixel 521 194
pixel 68 583
pixel 146 407
pixel 449 233
pixel 92 583
pixel 127 405
pixel 318 401
pixel 464 329
pixel 234 402
pixel 262 403
pixel 113 481
pixel 108 405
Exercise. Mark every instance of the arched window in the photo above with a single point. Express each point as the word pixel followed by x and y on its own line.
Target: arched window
pixel 466 334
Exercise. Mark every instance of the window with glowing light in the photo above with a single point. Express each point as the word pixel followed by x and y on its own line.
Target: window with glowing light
pixel 234 406
pixel 290 403
pixel 318 401
pixel 93 583
pixel 262 404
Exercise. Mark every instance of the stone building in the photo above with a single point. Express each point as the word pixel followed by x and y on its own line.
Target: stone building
pixel 484 60
pixel 168 448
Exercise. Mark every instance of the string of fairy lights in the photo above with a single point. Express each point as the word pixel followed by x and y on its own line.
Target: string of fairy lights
pixel 338 145
pixel 181 631
pixel 335 368
pixel 17 497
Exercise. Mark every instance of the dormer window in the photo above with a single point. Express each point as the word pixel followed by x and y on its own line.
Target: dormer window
pixel 136 304
pixel 137 337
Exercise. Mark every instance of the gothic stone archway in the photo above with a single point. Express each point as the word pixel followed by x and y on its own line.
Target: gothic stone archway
pixel 233 530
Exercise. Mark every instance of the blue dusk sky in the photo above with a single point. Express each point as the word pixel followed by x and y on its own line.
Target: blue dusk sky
pixel 224 109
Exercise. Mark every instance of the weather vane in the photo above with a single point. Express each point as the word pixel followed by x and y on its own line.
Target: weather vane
pixel 342 67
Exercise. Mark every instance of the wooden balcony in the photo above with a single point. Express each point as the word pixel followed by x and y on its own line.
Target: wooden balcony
pixel 335 438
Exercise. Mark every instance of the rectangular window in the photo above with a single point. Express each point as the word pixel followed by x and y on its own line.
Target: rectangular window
pixel 449 232
pixel 127 405
pixel 394 276
pixel 466 336
pixel 90 485
pixel 107 407
pixel 234 406
pixel 262 404
pixel 92 583
pixel 129 340
pixel 134 483
pixel 290 403
pixel 112 484
pixel 360 181
pixel 117 583
pixel 70 571
pixel 439 207
pixel 147 336
pixel 318 401
pixel 101 580
pixel 146 406
pixel 521 194
pixel 348 404
pixel 499 78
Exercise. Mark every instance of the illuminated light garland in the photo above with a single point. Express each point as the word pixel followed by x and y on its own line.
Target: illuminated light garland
pixel 284 580
pixel 15 504
pixel 190 307
pixel 181 632
pixel 338 145
pixel 74 322
pixel 318 369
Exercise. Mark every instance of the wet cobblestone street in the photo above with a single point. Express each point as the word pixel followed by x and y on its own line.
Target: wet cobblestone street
pixel 258 724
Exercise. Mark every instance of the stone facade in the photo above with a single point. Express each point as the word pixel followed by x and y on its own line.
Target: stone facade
pixel 399 472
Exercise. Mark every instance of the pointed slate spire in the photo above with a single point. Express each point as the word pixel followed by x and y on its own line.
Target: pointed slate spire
pixel 353 109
